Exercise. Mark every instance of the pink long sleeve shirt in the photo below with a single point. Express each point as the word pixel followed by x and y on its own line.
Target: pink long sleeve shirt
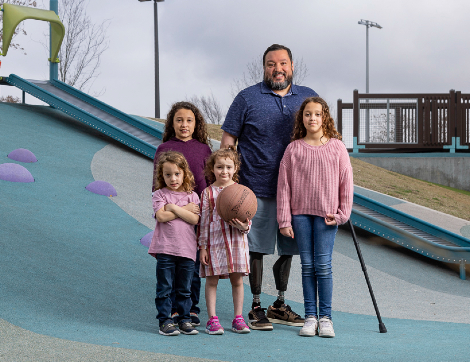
pixel 315 180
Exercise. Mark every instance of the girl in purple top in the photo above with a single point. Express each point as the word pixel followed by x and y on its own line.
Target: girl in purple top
pixel 315 194
pixel 186 132
pixel 174 242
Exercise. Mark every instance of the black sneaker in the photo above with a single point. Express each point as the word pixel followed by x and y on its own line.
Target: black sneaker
pixel 284 315
pixel 187 328
pixel 195 321
pixel 257 319
pixel 167 328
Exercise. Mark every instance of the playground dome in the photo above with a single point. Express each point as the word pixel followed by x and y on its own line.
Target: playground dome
pixel 22 155
pixel 102 188
pixel 147 239
pixel 15 173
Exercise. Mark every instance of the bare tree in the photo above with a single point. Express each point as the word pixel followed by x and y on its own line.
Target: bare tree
pixel 84 43
pixel 210 108
pixel 20 28
pixel 255 74
pixel 10 99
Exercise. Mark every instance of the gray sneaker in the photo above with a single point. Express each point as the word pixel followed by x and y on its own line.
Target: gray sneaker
pixel 325 328
pixel 168 329
pixel 310 327
pixel 187 328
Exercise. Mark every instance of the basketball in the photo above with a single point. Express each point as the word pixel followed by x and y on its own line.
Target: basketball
pixel 236 202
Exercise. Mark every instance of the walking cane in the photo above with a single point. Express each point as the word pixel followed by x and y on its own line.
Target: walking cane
pixel 382 328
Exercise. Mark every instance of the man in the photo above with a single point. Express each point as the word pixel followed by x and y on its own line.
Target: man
pixel 261 119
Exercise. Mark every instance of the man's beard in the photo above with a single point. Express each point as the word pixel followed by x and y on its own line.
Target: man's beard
pixel 269 80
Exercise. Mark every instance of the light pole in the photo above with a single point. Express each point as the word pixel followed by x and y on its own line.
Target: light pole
pixel 368 24
pixel 157 62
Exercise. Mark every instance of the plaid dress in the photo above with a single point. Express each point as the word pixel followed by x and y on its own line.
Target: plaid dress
pixel 226 246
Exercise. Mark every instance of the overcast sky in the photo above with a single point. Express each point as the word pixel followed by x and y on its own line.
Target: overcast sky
pixel 206 44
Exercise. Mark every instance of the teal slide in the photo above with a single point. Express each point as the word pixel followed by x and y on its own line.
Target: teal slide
pixel 129 130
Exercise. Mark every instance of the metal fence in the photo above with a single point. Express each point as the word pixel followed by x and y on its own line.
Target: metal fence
pixel 406 121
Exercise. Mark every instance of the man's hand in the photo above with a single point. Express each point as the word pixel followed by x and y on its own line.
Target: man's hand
pixel 289 232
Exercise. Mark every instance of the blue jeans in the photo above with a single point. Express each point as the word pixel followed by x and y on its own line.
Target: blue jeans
pixel 179 270
pixel 195 290
pixel 315 240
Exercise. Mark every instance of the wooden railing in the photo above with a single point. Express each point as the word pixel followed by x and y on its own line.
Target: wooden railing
pixel 428 122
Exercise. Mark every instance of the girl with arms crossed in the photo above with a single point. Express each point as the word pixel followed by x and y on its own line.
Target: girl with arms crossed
pixel 174 243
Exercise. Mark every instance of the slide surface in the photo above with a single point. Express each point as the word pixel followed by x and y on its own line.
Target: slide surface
pixel 124 128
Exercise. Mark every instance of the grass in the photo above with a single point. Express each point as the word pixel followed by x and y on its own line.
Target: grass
pixel 434 196
pixel 437 197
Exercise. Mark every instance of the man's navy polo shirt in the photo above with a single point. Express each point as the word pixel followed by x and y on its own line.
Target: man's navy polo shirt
pixel 263 122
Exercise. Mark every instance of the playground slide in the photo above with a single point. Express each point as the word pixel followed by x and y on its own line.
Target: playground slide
pixel 410 232
pixel 122 127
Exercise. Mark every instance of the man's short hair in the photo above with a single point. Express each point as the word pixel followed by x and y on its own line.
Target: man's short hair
pixel 277 47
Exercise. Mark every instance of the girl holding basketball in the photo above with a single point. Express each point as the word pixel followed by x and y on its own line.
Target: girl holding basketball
pixel 174 243
pixel 186 132
pixel 314 196
pixel 223 246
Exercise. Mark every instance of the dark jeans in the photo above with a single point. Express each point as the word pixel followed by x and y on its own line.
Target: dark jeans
pixel 178 270
pixel 195 289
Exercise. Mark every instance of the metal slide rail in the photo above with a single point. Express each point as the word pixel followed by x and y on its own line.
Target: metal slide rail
pixel 410 232
pixel 96 114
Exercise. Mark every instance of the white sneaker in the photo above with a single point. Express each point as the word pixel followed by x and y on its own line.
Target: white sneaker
pixel 310 327
pixel 326 328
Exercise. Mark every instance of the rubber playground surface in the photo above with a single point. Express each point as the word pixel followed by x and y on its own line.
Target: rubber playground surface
pixel 76 284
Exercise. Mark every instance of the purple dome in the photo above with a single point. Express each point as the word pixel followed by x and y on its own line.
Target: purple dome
pixel 22 155
pixel 15 173
pixel 147 239
pixel 102 188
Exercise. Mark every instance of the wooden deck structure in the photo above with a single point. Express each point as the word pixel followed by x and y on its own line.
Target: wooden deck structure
pixel 407 122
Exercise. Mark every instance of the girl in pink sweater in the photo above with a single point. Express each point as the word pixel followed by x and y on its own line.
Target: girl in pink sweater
pixel 314 196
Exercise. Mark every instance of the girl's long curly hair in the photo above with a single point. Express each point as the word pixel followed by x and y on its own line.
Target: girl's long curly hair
pixel 200 129
pixel 328 123
pixel 228 152
pixel 177 159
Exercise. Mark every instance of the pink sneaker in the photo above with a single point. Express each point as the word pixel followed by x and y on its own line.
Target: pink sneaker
pixel 239 325
pixel 213 326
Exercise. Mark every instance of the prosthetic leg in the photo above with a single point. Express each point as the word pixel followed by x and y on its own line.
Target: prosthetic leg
pixel 257 316
pixel 281 271
pixel 256 276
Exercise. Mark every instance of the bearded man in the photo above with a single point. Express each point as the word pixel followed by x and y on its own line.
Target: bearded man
pixel 261 119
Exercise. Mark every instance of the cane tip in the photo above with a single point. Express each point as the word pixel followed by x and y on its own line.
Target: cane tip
pixel 382 328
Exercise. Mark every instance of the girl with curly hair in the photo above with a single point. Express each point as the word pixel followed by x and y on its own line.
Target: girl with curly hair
pixel 174 243
pixel 186 132
pixel 314 196
pixel 223 245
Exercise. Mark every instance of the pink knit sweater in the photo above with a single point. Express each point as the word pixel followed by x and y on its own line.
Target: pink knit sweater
pixel 315 180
